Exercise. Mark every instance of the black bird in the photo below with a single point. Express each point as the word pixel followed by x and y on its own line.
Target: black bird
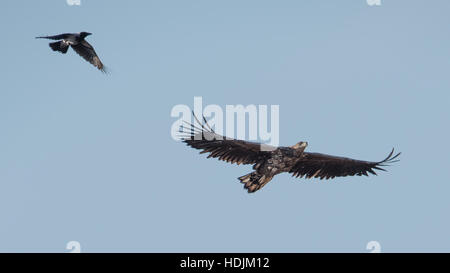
pixel 79 44
pixel 269 161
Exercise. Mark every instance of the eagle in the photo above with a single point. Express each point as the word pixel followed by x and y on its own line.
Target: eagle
pixel 79 44
pixel 269 161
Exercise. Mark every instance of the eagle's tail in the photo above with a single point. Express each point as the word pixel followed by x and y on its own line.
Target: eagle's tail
pixel 59 46
pixel 254 181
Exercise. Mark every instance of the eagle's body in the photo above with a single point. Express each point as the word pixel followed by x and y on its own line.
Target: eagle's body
pixel 269 161
pixel 278 161
pixel 79 45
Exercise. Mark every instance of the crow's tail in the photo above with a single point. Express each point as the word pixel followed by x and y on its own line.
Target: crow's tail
pixel 59 46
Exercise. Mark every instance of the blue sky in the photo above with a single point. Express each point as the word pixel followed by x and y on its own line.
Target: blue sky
pixel 87 157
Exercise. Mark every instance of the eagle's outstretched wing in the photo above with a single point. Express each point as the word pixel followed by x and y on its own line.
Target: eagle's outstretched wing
pixel 327 166
pixel 86 50
pixel 223 148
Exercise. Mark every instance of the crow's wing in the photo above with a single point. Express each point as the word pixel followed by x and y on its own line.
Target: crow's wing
pixel 327 166
pixel 56 37
pixel 223 148
pixel 85 50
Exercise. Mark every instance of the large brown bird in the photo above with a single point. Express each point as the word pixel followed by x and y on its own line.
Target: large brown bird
pixel 269 161
pixel 79 44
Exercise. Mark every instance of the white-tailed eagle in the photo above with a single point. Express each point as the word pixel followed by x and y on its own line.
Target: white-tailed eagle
pixel 270 161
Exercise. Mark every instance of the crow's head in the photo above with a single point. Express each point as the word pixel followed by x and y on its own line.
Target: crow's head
pixel 84 34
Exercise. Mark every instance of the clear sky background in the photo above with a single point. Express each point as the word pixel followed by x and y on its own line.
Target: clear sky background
pixel 88 157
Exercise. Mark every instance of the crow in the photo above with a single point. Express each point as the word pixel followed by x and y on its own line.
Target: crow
pixel 79 44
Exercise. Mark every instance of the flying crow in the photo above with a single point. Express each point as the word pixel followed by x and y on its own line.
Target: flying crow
pixel 79 44
pixel 269 161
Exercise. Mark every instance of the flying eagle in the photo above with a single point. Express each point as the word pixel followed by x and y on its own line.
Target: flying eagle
pixel 269 161
pixel 79 44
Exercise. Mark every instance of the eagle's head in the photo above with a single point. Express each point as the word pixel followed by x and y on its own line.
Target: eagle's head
pixel 301 145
